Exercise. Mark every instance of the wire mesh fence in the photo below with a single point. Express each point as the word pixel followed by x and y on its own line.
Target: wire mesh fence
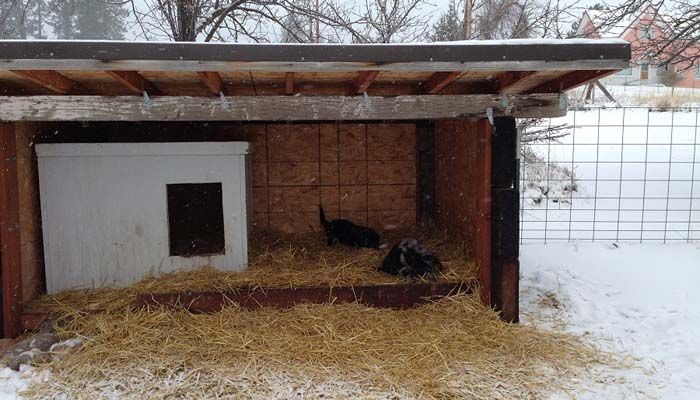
pixel 621 174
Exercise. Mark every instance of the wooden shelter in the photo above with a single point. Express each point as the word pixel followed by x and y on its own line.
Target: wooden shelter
pixel 385 134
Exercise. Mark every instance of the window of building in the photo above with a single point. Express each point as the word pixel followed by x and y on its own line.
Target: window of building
pixel 663 69
pixel 697 71
pixel 625 72
pixel 646 32
pixel 195 219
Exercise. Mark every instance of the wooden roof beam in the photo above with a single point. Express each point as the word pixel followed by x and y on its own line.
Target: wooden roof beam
pixel 440 80
pixel 275 108
pixel 511 79
pixel 134 81
pixel 51 80
pixel 289 83
pixel 363 81
pixel 570 80
pixel 213 82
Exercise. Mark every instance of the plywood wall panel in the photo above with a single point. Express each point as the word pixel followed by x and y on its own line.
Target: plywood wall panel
pixel 327 164
pixel 293 173
pixel 353 172
pixel 330 171
pixel 353 142
pixel 294 198
pixel 391 172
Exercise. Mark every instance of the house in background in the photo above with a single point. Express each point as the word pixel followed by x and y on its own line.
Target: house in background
pixel 642 30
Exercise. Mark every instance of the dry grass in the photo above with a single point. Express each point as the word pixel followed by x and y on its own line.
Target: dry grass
pixel 275 261
pixel 454 348
pixel 667 101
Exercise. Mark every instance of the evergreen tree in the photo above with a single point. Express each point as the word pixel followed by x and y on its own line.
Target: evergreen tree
pixel 296 29
pixel 99 19
pixel 87 19
pixel 449 27
pixel 36 18
pixel 61 18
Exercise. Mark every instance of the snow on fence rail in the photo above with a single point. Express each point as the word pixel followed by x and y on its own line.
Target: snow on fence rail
pixel 622 174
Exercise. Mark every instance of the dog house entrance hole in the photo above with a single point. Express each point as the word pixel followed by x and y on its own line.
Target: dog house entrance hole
pixel 195 219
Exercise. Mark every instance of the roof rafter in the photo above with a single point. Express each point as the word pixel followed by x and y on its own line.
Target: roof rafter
pixel 363 81
pixel 569 81
pixel 213 82
pixel 511 79
pixel 51 80
pixel 440 80
pixel 133 81
pixel 289 83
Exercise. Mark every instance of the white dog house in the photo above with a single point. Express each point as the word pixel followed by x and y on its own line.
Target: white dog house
pixel 114 212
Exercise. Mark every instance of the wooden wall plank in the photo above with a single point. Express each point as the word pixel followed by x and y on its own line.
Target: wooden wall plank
pixel 10 254
pixel 463 189
pixel 273 108
pixel 29 210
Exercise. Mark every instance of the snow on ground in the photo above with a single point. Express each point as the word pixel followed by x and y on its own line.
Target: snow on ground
pixel 637 174
pixel 12 382
pixel 638 299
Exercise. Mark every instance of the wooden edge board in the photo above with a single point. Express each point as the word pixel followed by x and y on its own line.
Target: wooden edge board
pixel 383 296
pixel 331 66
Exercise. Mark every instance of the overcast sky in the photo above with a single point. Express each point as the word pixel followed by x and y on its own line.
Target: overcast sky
pixel 437 7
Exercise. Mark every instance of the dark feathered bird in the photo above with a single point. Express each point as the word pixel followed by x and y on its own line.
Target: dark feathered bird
pixel 345 232
pixel 409 259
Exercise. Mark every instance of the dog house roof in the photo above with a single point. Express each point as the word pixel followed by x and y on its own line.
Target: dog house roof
pixel 216 70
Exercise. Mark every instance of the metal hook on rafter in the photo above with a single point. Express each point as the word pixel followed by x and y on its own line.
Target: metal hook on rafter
pixel 366 99
pixel 505 104
pixel 489 115
pixel 563 103
pixel 224 101
pixel 147 102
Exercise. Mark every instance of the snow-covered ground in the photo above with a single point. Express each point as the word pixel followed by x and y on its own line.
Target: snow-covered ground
pixel 649 95
pixel 637 299
pixel 637 174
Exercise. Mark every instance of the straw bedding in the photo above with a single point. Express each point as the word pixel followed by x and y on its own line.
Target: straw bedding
pixel 453 348
pixel 277 261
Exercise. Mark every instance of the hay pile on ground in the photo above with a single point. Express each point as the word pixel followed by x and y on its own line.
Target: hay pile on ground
pixel 276 261
pixel 454 348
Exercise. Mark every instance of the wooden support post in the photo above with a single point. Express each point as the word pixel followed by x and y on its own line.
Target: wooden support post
pixel 504 220
pixel 10 257
pixel 482 221
pixel 212 80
